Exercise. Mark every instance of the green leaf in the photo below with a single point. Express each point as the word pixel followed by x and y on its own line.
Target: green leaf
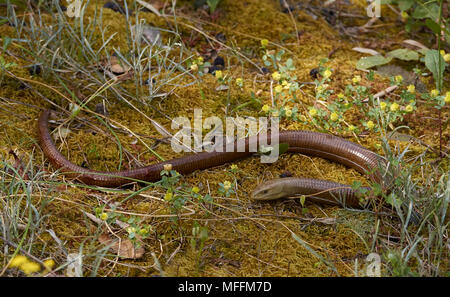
pixel 212 5
pixel 405 4
pixel 426 11
pixel 435 63
pixel 433 26
pixel 404 54
pixel 372 61
pixel 282 148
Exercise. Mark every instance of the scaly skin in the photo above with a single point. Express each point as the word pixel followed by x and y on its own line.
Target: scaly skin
pixel 306 142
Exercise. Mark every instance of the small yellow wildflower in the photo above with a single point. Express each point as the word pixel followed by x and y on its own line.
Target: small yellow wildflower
pixel 356 79
pixel 278 89
pixel 104 216
pixel 404 15
pixel 351 128
pixel 447 97
pixel 434 93
pixel 327 73
pixel 442 52
pixel 131 230
pixel 264 42
pixel 168 167
pixel 398 79
pixel 412 89
pixel 265 108
pixel 288 113
pixel 409 108
pixel 239 82
pixel 276 75
pixel 394 107
pixel 340 96
pixel 383 105
pixel 49 264
pixel 194 67
pixel 284 83
pixel 234 167
pixel 30 267
pixel 226 185
pixel 219 74
pixel 18 261
pixel 168 196
pixel 143 231
pixel 195 190
pixel 200 60
pixel 370 125
pixel 447 58
pixel 334 117
pixel 313 112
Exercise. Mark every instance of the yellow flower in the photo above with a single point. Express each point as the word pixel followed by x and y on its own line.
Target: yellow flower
pixel 284 83
pixel 434 93
pixel 447 58
pixel 143 231
pixel 239 82
pixel 394 107
pixel 234 167
pixel 104 216
pixel 200 60
pixel 356 79
pixel 411 89
pixel 288 113
pixel 404 15
pixel 334 117
pixel 219 74
pixel 131 230
pixel 313 112
pixel 30 267
pixel 194 67
pixel 340 96
pixel 320 89
pixel 398 79
pixel 168 167
pixel 264 42
pixel 168 196
pixel 265 108
pixel 18 261
pixel 226 185
pixel 278 89
pixel 383 105
pixel 351 128
pixel 442 52
pixel 409 108
pixel 447 97
pixel 49 264
pixel 195 190
pixel 370 125
pixel 276 75
pixel 327 73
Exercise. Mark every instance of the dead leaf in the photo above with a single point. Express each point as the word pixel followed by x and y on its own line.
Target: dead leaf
pixel 123 248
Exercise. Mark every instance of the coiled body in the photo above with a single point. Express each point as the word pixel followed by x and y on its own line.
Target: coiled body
pixel 305 142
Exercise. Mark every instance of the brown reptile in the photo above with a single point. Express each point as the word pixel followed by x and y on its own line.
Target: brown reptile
pixel 305 142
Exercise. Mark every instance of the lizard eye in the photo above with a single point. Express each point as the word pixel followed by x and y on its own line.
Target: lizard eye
pixel 265 191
